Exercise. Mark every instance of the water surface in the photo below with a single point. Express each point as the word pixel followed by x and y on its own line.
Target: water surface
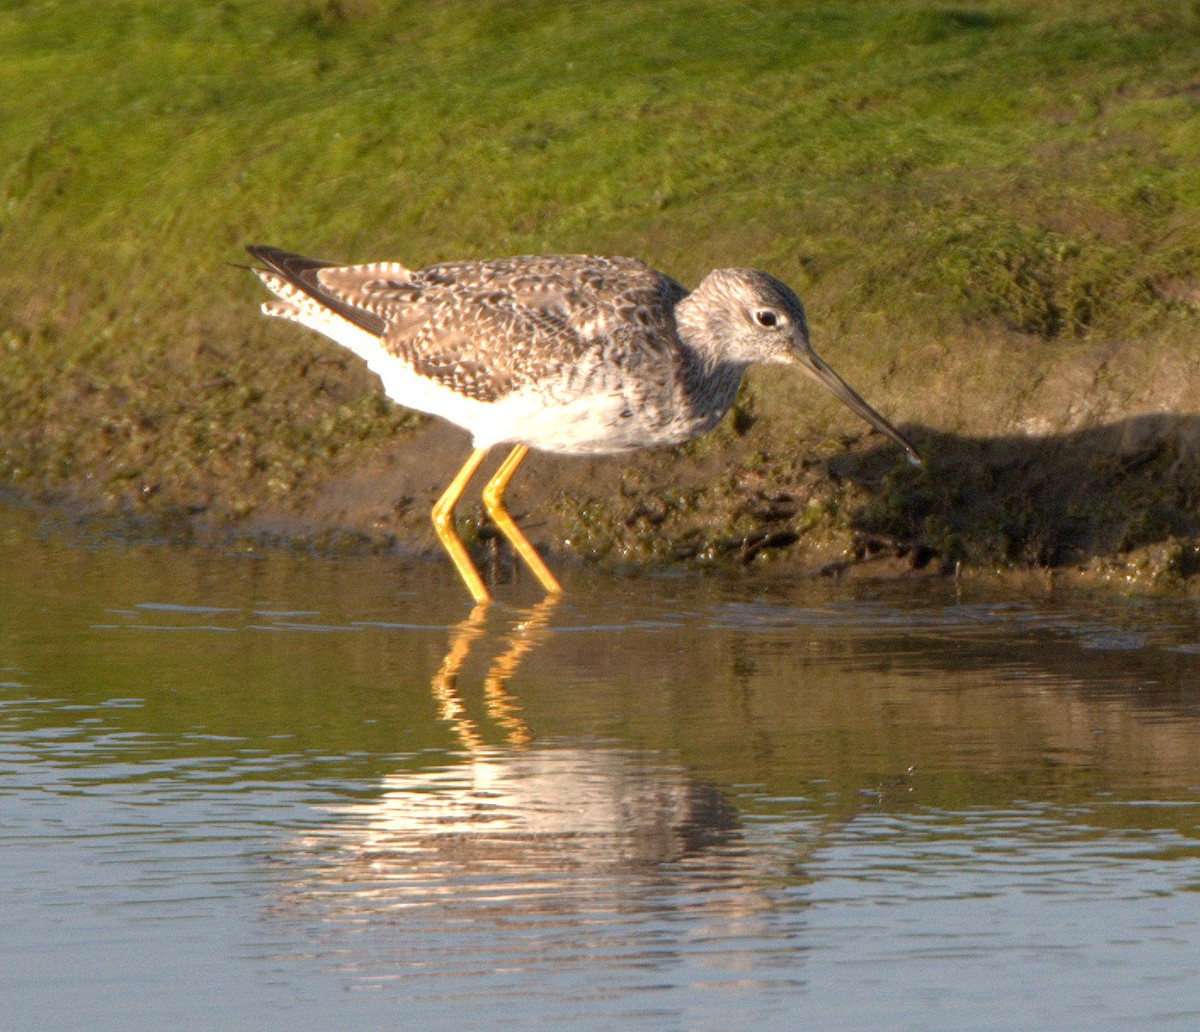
pixel 284 791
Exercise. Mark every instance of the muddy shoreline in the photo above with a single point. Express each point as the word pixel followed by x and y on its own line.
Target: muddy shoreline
pixel 1111 507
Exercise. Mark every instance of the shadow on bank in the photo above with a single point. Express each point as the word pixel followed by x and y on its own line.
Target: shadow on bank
pixel 1129 488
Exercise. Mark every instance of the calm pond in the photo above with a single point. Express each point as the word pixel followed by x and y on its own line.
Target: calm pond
pixel 285 791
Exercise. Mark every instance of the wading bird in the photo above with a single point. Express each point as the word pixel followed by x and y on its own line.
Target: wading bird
pixel 572 354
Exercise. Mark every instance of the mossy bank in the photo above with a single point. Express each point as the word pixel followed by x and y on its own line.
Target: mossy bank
pixel 992 211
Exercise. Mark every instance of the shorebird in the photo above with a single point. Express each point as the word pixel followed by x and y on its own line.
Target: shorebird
pixel 572 354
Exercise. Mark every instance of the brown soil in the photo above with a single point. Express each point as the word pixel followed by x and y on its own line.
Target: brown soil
pixel 1042 462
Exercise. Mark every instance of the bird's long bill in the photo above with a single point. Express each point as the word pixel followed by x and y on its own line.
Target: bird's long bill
pixel 841 390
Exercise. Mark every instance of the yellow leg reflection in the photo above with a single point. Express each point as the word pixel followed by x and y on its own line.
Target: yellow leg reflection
pixel 443 523
pixel 493 502
pixel 502 706
pixel 445 681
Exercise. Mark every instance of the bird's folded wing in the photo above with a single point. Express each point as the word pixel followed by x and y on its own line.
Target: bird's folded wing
pixel 488 328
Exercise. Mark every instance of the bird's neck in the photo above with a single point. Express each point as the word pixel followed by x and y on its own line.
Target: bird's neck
pixel 710 386
pixel 698 330
pixel 710 378
pixel 703 367
pixel 706 356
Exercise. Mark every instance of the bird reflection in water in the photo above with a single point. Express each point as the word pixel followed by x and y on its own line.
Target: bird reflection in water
pixel 522 826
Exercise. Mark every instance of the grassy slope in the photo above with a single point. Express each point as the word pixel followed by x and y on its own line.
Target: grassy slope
pixel 992 210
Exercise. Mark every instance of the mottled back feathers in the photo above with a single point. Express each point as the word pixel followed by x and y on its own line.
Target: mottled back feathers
pixel 444 321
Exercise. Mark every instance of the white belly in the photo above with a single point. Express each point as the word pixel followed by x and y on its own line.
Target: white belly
pixel 552 418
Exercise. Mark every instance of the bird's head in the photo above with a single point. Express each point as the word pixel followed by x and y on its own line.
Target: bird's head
pixel 746 316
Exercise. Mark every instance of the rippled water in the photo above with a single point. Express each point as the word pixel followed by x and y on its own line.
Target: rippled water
pixel 282 791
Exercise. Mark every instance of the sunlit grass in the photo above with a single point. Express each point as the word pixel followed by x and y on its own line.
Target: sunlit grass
pixel 926 168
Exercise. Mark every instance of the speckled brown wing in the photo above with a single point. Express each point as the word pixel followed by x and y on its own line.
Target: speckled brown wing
pixel 488 328
pixel 597 297
pixel 455 339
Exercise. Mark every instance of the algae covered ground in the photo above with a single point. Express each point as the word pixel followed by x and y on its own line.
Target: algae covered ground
pixel 992 211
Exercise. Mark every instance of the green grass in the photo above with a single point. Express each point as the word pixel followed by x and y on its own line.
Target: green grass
pixel 919 171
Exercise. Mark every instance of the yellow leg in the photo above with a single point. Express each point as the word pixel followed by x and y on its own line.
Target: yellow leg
pixel 443 523
pixel 493 502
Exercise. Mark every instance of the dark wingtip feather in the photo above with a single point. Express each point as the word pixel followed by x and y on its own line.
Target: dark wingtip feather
pixel 268 255
pixel 297 270
pixel 288 264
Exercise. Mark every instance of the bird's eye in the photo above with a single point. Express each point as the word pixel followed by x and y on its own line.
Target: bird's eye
pixel 765 317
